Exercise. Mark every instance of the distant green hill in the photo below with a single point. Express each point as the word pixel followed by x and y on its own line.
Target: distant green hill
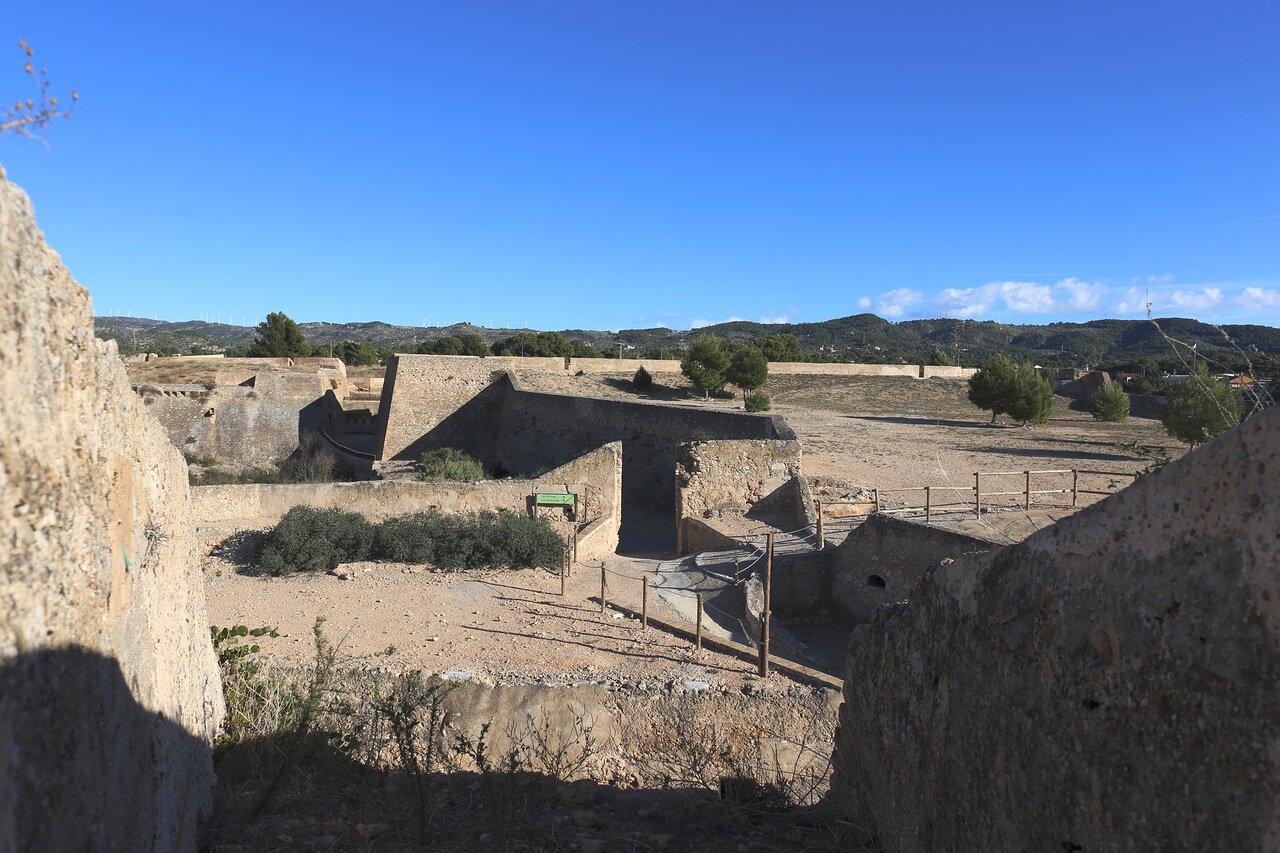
pixel 1117 344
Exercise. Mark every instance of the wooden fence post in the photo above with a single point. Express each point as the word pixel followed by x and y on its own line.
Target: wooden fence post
pixel 1028 503
pixel 977 494
pixel 928 505
pixel 698 630
pixel 644 603
pixel 564 568
pixel 1075 486
pixel 818 504
pixel 875 493
pixel 764 617
pixel 602 588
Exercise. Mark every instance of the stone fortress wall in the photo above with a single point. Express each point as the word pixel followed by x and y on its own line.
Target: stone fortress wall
pixel 109 687
pixel 474 405
pixel 755 480
pixel 1111 682
pixel 595 477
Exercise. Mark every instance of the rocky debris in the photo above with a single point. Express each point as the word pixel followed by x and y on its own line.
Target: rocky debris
pixel 109 687
pixel 1113 682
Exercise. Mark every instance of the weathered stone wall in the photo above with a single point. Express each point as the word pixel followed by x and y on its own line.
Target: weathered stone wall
pixel 626 366
pixel 239 426
pixel 938 371
pixel 801 368
pixel 883 559
pixel 596 477
pixel 744 478
pixel 1113 682
pixel 539 430
pixel 109 690
pixel 431 401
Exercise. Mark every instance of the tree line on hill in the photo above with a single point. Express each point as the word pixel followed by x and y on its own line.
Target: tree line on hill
pixel 1137 347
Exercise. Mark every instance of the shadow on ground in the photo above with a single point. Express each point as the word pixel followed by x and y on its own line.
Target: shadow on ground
pixel 322 800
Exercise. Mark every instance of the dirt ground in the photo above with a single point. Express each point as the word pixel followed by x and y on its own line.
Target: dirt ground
pixel 504 626
pixel 499 626
pixel 882 433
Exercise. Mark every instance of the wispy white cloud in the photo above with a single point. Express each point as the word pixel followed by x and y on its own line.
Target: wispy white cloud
pixel 1192 300
pixel 1070 295
pixel 1257 298
pixel 698 324
pixel 1134 301
pixel 893 303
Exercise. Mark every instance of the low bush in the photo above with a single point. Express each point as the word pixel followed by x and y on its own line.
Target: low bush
pixel 446 464
pixel 316 540
pixel 758 401
pixel 642 381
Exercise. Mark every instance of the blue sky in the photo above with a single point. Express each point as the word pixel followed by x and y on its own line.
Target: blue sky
pixel 614 164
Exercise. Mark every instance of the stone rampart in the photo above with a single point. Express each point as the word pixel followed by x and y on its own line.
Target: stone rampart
pixel 939 371
pixel 109 687
pixel 627 366
pixel 471 404
pixel 754 479
pixel 595 476
pixel 538 430
pixel 1112 682
pixel 431 401
pixel 804 368
pixel 883 559
pixel 239 425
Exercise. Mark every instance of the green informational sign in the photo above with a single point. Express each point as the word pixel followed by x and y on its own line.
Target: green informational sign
pixel 547 499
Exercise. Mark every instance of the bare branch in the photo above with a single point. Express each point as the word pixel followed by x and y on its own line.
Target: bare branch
pixel 29 117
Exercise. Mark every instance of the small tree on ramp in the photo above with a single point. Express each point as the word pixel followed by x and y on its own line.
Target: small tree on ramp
pixel 1110 403
pixel 990 387
pixel 748 369
pixel 1030 396
pixel 1201 409
pixel 705 363
pixel 279 337
pixel 642 381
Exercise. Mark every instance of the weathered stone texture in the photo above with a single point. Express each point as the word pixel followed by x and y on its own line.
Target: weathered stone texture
pixel 239 426
pixel 1111 683
pixel 596 477
pixel 742 478
pixel 474 405
pixel 109 691
pixel 883 558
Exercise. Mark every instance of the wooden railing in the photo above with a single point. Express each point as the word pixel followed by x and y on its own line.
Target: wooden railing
pixel 979 496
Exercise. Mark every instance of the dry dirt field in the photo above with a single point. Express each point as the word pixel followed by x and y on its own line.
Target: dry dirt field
pixel 506 626
pixel 866 432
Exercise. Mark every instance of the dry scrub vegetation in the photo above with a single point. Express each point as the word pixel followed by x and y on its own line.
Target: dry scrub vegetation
pixel 342 754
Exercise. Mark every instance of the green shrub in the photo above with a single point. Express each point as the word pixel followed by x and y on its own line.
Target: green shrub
pixel 446 464
pixel 315 540
pixel 1110 403
pixel 642 380
pixel 758 401
pixel 308 539
pixel 471 541
pixel 408 538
